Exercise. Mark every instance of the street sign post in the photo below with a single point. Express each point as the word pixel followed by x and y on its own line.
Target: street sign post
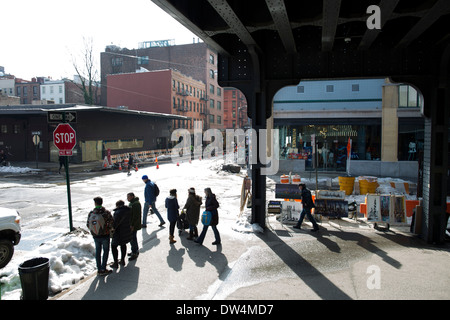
pixel 65 139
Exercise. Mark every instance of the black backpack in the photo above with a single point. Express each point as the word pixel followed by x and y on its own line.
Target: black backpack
pixel 156 189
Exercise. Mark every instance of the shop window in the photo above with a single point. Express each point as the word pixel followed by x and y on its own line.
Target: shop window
pixel 409 97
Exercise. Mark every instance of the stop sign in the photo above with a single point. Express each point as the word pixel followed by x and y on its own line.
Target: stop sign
pixel 64 138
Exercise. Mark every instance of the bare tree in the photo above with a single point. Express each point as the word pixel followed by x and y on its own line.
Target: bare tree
pixel 87 73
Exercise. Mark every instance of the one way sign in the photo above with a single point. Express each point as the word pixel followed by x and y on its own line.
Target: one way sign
pixel 58 116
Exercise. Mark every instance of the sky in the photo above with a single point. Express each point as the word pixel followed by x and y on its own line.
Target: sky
pixel 43 38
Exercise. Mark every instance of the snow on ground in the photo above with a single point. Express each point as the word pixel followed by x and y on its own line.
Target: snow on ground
pixel 72 256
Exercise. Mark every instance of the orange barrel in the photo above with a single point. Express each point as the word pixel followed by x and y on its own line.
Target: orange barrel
pixel 296 179
pixel 284 179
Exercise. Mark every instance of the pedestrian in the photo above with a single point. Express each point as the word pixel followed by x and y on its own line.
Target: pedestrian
pixel 135 224
pixel 100 222
pixel 150 199
pixel 172 213
pixel 211 204
pixel 192 208
pixel 62 162
pixel 122 232
pixel 308 204
pixel 130 163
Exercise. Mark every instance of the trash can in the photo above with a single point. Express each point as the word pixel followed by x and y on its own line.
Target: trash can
pixel 34 275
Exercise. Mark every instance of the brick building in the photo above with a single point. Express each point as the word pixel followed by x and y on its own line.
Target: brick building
pixel 235 108
pixel 27 91
pixel 163 91
pixel 195 60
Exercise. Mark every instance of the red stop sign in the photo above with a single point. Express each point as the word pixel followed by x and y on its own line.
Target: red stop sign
pixel 64 138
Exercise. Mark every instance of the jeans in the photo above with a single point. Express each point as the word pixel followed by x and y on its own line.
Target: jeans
pixel 307 212
pixel 134 243
pixel 145 212
pixel 203 234
pixel 101 243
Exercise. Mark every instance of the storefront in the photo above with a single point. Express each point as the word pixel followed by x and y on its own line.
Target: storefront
pixel 297 140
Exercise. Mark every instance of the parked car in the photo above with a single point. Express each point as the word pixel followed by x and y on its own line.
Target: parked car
pixel 10 234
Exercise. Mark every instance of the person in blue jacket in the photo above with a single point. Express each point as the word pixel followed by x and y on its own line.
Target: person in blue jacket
pixel 150 199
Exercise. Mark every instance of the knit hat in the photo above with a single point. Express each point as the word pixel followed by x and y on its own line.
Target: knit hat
pixel 191 190
pixel 144 177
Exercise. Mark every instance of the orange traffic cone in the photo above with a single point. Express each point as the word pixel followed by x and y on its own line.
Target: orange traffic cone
pixel 178 164
pixel 120 166
pixel 157 166
pixel 136 168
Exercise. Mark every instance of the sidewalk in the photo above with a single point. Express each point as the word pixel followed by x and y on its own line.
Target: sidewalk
pixel 345 260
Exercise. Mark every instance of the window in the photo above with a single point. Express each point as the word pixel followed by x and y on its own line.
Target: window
pixel 173 84
pixel 219 105
pixel 211 103
pixel 43 90
pixel 211 118
pixel 219 120
pixel 355 87
pixel 60 89
pixel 301 89
pixel 16 128
pixel 35 90
pixel 18 91
pixel 25 91
pixel 116 62
pixel 51 89
pixel 143 60
pixel 409 97
pixel 330 88
pixel 219 91
pixel 4 128
pixel 211 73
pixel 211 89
pixel 211 58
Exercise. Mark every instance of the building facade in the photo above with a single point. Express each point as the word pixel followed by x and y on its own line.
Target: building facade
pixel 163 91
pixel 382 120
pixel 120 131
pixel 235 109
pixel 195 60
pixel 27 91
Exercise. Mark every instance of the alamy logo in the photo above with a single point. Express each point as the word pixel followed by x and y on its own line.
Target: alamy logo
pixel 374 280
pixel 237 141
pixel 374 21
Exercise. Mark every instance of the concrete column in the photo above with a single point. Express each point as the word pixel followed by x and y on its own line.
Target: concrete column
pixel 389 123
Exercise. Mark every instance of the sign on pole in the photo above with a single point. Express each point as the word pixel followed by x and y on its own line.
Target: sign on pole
pixel 65 139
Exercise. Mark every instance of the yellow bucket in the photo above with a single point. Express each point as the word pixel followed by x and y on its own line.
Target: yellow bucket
pixel 346 184
pixel 366 186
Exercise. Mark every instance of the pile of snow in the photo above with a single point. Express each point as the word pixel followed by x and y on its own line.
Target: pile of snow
pixel 10 169
pixel 71 258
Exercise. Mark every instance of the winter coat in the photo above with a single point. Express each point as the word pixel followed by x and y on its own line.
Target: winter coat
pixel 136 214
pixel 149 192
pixel 109 221
pixel 172 208
pixel 192 207
pixel 307 201
pixel 211 204
pixel 122 229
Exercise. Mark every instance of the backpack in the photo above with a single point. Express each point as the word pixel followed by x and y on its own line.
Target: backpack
pixel 156 190
pixel 206 218
pixel 96 223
